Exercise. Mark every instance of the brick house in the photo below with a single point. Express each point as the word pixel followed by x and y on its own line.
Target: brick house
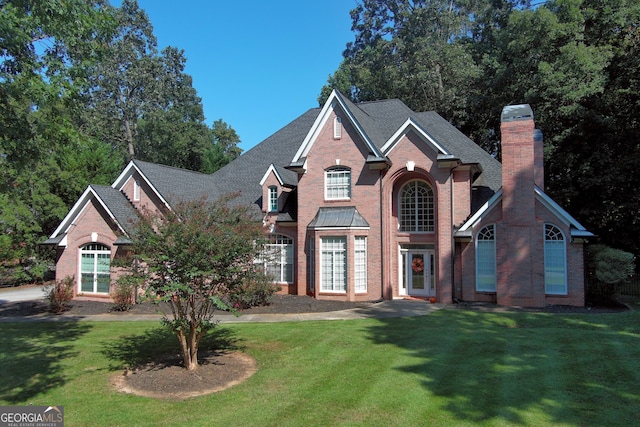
pixel 364 202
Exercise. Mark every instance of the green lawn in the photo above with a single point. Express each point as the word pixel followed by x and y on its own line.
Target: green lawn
pixel 452 367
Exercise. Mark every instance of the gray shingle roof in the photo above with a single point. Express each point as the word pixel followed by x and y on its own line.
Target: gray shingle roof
pixel 244 173
pixel 379 119
pixel 177 184
pixel 118 204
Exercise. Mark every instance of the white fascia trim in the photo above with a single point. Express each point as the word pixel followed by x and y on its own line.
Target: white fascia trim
pixel 404 129
pixel 333 100
pixel 78 208
pixel 128 173
pixel 482 212
pixel 271 169
pixel 563 215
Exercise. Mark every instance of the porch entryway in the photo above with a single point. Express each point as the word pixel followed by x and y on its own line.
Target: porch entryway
pixel 417 268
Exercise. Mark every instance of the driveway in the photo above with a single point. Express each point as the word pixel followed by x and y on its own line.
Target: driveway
pixel 23 293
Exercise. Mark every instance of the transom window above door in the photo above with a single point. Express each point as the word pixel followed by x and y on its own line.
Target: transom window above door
pixel 416 213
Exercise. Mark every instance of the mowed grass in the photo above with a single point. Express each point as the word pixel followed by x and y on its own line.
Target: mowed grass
pixel 453 367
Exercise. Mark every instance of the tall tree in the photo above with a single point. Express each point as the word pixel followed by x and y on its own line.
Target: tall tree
pixel 411 50
pixel 224 149
pixel 37 95
pixel 141 101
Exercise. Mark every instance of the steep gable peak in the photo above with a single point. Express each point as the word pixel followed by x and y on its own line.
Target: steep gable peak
pixel 411 125
pixel 354 115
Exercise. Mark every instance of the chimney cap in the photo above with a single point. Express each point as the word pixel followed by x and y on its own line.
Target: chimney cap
pixel 512 113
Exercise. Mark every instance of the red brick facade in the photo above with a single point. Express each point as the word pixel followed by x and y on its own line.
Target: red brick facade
pixel 437 261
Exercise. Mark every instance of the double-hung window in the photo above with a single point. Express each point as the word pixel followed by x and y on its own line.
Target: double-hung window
pixel 337 184
pixel 360 267
pixel 273 198
pixel 277 258
pixel 333 264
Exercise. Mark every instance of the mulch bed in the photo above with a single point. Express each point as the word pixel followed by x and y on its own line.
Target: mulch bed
pixel 280 304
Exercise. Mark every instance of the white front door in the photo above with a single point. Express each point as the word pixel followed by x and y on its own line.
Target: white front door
pixel 418 275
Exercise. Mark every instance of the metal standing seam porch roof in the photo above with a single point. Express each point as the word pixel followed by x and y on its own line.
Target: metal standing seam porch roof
pixel 338 217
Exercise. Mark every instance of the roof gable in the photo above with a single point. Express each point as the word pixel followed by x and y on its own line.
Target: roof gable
pixel 577 229
pixel 355 116
pixel 408 126
pixel 285 177
pixel 115 204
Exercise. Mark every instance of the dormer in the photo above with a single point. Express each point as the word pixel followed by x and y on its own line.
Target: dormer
pixel 276 183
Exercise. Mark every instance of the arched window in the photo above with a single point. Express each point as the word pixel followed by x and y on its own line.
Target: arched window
pixel 416 207
pixel 95 268
pixel 486 260
pixel 337 183
pixel 555 261
pixel 278 258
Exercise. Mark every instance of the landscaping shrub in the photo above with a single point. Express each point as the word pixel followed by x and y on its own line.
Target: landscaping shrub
pixel 608 269
pixel 60 294
pixel 256 291
pixel 123 293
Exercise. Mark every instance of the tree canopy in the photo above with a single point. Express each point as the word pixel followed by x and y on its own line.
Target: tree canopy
pixel 574 61
pixel 193 257
pixel 79 100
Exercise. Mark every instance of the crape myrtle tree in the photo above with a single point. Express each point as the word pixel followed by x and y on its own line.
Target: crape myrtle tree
pixel 192 258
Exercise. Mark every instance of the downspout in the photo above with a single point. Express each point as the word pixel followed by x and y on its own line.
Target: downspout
pixel 453 241
pixel 382 277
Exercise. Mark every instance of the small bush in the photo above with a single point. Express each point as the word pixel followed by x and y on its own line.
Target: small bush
pixel 256 291
pixel 124 292
pixel 60 294
pixel 608 269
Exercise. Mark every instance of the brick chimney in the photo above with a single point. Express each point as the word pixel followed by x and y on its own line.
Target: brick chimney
pixel 519 158
pixel 518 249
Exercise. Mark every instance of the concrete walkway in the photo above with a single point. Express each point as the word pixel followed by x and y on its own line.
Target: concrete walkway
pixel 384 309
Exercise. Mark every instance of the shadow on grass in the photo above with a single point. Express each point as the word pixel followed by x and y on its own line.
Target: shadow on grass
pixel 160 346
pixel 524 368
pixel 32 357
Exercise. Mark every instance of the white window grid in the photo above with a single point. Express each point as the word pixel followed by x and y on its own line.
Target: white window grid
pixel 277 258
pixel 333 264
pixel 555 261
pixel 338 184
pixel 360 267
pixel 273 199
pixel 416 208
pixel 486 260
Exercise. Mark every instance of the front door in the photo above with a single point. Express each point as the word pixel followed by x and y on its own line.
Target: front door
pixel 418 278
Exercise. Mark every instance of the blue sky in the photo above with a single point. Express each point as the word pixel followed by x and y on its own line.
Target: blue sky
pixel 256 64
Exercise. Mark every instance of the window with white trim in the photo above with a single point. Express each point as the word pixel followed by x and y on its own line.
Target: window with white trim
pixel 360 267
pixel 486 260
pixel 416 207
pixel 95 268
pixel 277 258
pixel 337 184
pixel 333 264
pixel 136 191
pixel 273 198
pixel 337 128
pixel 555 261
